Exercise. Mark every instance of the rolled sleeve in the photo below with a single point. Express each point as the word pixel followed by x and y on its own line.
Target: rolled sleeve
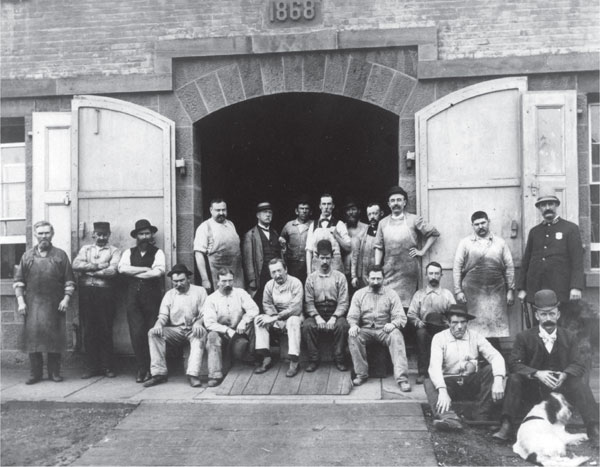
pixel 342 301
pixel 159 262
pixel 397 311
pixel 201 240
pixel 436 362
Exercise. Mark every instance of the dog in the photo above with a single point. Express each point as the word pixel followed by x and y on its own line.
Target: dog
pixel 542 438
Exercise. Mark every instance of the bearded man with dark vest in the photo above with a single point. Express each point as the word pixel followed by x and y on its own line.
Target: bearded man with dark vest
pixel 144 266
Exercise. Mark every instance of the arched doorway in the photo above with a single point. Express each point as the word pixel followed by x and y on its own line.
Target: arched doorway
pixel 280 146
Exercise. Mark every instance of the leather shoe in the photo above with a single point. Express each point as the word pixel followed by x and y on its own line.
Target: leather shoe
pixel 91 373
pixel 593 435
pixel 404 386
pixel 358 381
pixel 158 379
pixel 33 380
pixel 420 379
pixel 56 378
pixel 266 364
pixel 194 381
pixel 142 376
pixel 109 373
pixel 312 366
pixel 341 366
pixel 292 370
pixel 447 424
pixel 213 382
pixel 505 433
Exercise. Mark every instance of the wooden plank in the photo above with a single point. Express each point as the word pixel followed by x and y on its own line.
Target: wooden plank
pixel 314 383
pixel 261 384
pixel 339 382
pixel 238 378
pixel 284 385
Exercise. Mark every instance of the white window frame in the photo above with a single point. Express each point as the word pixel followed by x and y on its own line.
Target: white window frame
pixel 12 239
pixel 594 246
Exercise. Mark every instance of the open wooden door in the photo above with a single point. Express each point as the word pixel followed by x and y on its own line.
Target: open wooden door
pixel 123 170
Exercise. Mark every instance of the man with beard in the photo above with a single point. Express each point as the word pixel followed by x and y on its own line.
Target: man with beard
pixel 543 359
pixel 228 315
pixel 144 266
pixel 376 315
pixel 217 242
pixel 329 228
pixel 356 229
pixel 282 306
pixel 553 259
pixel 43 285
pixel 363 247
pixel 454 373
pixel 97 264
pixel 397 242
pixel 430 299
pixel 179 322
pixel 261 245
pixel 484 278
pixel 326 304
pixel 293 240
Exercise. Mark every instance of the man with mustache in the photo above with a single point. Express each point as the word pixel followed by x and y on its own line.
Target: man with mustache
pixel 97 267
pixel 293 240
pixel 430 299
pixel 43 285
pixel 553 259
pixel 484 278
pixel 356 229
pixel 229 313
pixel 217 242
pixel 144 266
pixel 363 247
pixel 376 315
pixel 543 359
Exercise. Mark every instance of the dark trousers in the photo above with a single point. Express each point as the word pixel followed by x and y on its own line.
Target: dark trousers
pixel 97 305
pixel 310 334
pixel 36 363
pixel 476 386
pixel 143 303
pixel 522 393
pixel 297 269
pixel 423 349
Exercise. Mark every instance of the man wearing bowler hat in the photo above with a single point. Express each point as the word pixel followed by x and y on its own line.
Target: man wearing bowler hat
pixel 144 266
pixel 179 321
pixel 260 245
pixel 553 259
pixel 454 373
pixel 97 265
pixel 546 358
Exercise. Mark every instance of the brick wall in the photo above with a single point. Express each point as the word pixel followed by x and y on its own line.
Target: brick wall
pixel 53 39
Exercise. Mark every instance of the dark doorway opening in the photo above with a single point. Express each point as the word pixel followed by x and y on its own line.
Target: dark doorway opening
pixel 278 147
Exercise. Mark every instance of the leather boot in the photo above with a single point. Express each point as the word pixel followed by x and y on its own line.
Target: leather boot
pixel 266 364
pixel 36 368
pixel 54 367
pixel 505 432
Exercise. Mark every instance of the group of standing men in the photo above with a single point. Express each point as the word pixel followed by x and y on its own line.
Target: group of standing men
pixel 357 279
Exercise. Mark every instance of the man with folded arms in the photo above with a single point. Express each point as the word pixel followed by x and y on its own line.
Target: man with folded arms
pixel 179 321
pixel 282 305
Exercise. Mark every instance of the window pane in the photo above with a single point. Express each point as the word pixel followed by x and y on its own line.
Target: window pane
pixel 12 130
pixel 11 255
pixel 596 259
pixel 595 154
pixel 595 194
pixel 595 225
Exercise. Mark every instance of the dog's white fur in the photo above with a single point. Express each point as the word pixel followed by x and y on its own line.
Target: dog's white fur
pixel 546 440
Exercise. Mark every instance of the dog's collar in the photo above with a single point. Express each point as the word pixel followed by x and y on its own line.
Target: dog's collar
pixel 532 417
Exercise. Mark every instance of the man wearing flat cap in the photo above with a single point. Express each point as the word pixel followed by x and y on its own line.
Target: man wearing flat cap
pixel 179 321
pixel 546 358
pixel 553 259
pixel 144 266
pixel 454 373
pixel 97 265
pixel 260 245
pixel 397 245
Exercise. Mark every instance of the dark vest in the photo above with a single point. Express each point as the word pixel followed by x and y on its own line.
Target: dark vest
pixel 145 261
pixel 270 246
pixel 551 361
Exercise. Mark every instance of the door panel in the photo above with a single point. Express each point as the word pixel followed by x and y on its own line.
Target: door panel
pixel 469 159
pixel 125 171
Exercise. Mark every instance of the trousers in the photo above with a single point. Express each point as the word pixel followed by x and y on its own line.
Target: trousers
pixel 143 303
pixel 394 342
pixel 523 393
pixel 476 386
pixel 97 305
pixel 310 332
pixel 240 347
pixel 292 326
pixel 176 336
pixel 36 363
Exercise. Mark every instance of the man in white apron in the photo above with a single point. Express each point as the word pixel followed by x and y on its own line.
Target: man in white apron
pixel 397 245
pixel 218 242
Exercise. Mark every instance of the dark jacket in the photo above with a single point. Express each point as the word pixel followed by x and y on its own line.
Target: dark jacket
pixel 252 252
pixel 553 259
pixel 529 352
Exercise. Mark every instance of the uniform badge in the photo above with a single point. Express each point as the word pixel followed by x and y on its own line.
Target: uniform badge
pixel 558 235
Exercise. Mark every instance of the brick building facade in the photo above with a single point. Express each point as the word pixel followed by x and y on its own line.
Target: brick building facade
pixel 207 64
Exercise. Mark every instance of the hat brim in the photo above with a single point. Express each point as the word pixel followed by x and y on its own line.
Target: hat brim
pixel 462 314
pixel 545 200
pixel 187 273
pixel 152 228
pixel 546 308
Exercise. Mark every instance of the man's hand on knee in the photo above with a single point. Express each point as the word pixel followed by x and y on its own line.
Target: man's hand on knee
pixel 444 402
pixel 157 330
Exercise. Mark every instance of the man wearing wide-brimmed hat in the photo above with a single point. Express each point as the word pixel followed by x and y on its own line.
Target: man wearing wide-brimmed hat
pixel 179 321
pixel 454 373
pixel 553 259
pixel 144 266
pixel 546 358
pixel 97 265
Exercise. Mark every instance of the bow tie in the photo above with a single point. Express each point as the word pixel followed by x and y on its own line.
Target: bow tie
pixel 324 221
pixel 548 338
pixel 263 229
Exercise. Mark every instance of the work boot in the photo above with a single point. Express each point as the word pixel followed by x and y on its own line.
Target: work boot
pixel 54 367
pixel 404 386
pixel 341 366
pixel 194 381
pixel 358 381
pixel 312 366
pixel 91 373
pixel 505 433
pixel 447 424
pixel 212 382
pixel 36 364
pixel 293 370
pixel 157 379
pixel 593 435
pixel 266 364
